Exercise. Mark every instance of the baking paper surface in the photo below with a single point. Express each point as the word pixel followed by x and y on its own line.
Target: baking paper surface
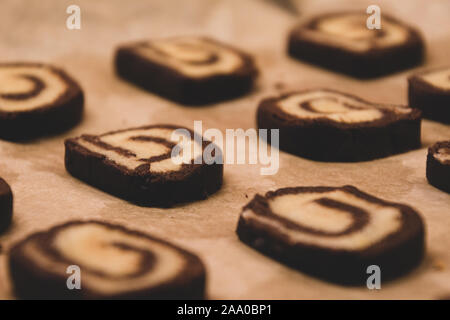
pixel 45 194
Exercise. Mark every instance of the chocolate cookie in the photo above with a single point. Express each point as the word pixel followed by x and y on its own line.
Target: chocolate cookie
pixel 137 165
pixel 334 233
pixel 188 70
pixel 6 205
pixel 342 42
pixel 37 99
pixel 114 263
pixel 430 92
pixel 328 125
pixel 438 165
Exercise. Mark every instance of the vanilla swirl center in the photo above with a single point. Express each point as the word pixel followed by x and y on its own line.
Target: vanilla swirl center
pixel 350 31
pixel 134 148
pixel 337 107
pixel 336 219
pixel 25 88
pixel 194 57
pixel 111 260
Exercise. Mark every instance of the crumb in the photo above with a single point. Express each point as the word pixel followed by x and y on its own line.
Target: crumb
pixel 246 196
pixel 280 85
pixel 438 265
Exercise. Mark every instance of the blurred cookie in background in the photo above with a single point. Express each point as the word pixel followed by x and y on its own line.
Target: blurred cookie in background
pixel 188 70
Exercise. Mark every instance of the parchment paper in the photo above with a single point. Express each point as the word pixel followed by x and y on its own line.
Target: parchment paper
pixel 45 194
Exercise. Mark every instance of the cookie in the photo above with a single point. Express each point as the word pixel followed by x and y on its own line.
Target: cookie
pixel 37 99
pixel 430 92
pixel 136 165
pixel 188 70
pixel 342 42
pixel 114 263
pixel 438 165
pixel 334 233
pixel 328 125
pixel 6 205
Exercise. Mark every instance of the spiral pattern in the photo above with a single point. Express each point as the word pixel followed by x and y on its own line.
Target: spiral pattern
pixel 192 56
pixel 337 218
pixel 25 87
pixel 146 149
pixel 323 104
pixel 349 30
pixel 113 260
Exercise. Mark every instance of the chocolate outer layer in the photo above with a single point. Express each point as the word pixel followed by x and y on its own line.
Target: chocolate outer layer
pixel 173 85
pixel 369 64
pixel 432 101
pixel 192 182
pixel 438 173
pixel 328 140
pixel 58 116
pixel 396 254
pixel 32 282
pixel 6 205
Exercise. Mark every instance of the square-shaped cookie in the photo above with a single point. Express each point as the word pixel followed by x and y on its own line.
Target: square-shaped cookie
pixel 37 99
pixel 328 125
pixel 188 70
pixel 429 91
pixel 147 165
pixel 342 42
pixel 334 233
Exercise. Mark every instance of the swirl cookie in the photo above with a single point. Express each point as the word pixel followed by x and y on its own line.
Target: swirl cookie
pixel 333 233
pixel 6 205
pixel 137 165
pixel 438 165
pixel 37 99
pixel 342 42
pixel 328 125
pixel 188 70
pixel 114 263
pixel 430 92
